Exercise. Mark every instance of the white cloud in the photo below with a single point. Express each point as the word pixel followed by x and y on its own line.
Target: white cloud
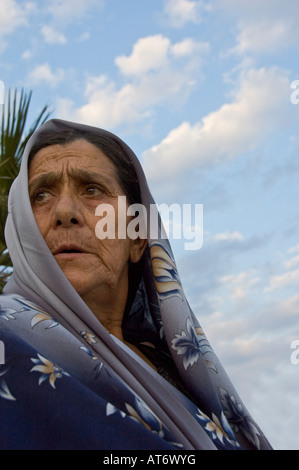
pixel 289 278
pixel 43 74
pixel 106 105
pixel 27 54
pixel 289 307
pixel 84 37
pixel 253 11
pixel 239 284
pixel 59 14
pixel 249 330
pixel 180 12
pixel 148 54
pixel 51 36
pixel 13 15
pixel 67 10
pixel 188 47
pixel 262 36
pixel 256 110
pixel 291 263
pixel 262 28
pixel 293 249
pixel 229 236
pixel 156 72
pixel 154 53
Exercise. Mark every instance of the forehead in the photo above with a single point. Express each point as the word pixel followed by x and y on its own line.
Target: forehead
pixel 77 154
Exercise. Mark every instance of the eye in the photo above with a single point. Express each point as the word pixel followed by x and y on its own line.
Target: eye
pixel 40 196
pixel 93 190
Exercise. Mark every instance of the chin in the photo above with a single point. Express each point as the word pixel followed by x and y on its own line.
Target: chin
pixel 84 285
pixel 79 283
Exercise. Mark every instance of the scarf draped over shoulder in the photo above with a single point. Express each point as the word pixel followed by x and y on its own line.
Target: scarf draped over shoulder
pixel 68 384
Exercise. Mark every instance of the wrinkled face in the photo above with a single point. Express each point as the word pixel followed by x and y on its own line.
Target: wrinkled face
pixel 66 185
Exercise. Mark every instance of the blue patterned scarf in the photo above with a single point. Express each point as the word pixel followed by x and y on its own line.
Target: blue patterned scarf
pixel 68 384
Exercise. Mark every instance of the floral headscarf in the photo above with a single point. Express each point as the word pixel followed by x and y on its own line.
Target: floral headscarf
pixel 67 383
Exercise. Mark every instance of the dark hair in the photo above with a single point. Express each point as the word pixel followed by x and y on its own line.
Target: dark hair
pixel 125 170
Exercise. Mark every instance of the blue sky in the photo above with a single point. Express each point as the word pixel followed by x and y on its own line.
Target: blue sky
pixel 201 90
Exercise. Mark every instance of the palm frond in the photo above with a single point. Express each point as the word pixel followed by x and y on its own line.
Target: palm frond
pixel 12 143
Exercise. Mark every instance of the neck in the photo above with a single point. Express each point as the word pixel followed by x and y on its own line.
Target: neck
pixel 108 300
pixel 111 318
pixel 109 310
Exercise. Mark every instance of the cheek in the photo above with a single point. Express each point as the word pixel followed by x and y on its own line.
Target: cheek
pixel 114 254
pixel 115 247
pixel 42 219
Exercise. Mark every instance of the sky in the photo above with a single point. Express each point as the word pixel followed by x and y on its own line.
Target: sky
pixel 205 93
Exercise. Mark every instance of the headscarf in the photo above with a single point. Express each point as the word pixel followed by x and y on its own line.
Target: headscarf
pixel 121 401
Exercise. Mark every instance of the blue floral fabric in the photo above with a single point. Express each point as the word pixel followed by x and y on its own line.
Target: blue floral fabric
pixel 67 384
pixel 42 406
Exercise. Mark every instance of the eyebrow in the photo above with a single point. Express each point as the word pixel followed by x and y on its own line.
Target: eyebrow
pixel 81 175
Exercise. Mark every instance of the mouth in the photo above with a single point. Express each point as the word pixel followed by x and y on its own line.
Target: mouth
pixel 68 250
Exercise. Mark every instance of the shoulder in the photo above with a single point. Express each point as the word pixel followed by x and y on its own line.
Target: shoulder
pixel 14 302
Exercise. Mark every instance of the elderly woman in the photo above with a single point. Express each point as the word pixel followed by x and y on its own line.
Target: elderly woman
pixel 102 350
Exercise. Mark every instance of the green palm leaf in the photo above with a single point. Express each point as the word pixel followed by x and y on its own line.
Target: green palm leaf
pixel 12 143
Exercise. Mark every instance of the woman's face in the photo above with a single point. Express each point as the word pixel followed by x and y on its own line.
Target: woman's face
pixel 66 185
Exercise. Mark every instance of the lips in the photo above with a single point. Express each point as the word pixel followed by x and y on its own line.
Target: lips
pixel 68 249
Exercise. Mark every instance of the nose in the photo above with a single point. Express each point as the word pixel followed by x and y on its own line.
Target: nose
pixel 67 210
